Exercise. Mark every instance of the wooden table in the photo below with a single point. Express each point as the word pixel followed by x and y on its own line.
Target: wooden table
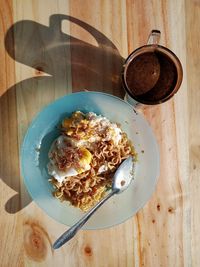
pixel 51 48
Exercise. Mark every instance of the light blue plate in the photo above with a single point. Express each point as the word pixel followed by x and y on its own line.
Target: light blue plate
pixel 43 131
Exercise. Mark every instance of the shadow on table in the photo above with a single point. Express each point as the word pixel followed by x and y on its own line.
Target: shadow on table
pixel 69 62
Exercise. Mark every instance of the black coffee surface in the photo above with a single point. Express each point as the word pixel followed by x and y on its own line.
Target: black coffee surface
pixel 151 76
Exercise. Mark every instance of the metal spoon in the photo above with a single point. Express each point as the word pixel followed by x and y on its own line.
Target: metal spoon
pixel 121 180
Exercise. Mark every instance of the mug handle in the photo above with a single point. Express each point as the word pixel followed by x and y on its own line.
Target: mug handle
pixel 154 37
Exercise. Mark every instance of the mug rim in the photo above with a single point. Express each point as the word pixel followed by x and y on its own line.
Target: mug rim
pixel 176 62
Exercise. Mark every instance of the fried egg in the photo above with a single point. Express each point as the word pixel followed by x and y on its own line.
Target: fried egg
pixel 81 132
pixel 64 143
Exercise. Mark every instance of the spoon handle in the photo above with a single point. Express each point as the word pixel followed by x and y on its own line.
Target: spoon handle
pixel 74 229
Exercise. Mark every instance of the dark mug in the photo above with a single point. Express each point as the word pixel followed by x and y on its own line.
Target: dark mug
pixel 152 74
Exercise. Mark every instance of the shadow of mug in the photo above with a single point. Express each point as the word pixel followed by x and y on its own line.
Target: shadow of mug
pixel 72 65
pixel 49 50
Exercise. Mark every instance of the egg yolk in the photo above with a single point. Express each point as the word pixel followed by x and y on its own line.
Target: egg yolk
pixel 76 125
pixel 85 159
pixel 66 123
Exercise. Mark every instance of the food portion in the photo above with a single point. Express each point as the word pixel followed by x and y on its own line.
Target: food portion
pixel 83 159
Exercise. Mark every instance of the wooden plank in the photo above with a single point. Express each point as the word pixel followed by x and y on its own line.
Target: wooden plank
pixel 9 160
pixel 168 207
pixel 40 47
pixel 193 71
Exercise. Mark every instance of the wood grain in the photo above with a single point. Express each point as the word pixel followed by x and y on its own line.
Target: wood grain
pixel 193 71
pixel 56 47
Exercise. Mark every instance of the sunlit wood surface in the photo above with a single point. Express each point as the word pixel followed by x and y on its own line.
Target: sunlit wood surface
pixel 51 48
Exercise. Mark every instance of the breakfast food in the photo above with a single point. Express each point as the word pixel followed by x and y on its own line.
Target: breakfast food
pixel 83 159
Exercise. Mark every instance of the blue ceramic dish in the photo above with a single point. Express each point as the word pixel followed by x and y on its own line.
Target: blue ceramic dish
pixel 42 132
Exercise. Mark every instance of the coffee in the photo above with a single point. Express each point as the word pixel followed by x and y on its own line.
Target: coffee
pixel 151 76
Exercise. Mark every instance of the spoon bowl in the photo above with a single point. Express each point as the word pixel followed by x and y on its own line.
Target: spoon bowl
pixel 123 175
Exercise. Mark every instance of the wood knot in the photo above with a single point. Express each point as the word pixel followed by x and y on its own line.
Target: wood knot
pixel 36 241
pixel 88 251
pixel 40 68
pixel 39 71
pixel 158 207
pixel 153 221
pixel 171 210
